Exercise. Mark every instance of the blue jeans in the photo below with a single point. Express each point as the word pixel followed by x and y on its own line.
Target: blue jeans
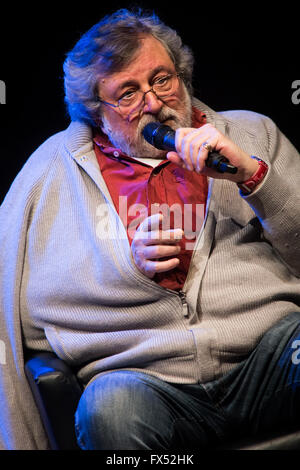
pixel 125 410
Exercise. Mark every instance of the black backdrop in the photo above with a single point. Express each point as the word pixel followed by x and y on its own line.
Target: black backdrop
pixel 247 57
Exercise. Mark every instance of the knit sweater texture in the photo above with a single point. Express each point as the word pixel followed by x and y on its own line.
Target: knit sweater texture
pixel 69 284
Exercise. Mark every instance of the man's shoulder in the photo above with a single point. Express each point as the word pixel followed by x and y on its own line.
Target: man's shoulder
pixel 69 140
pixel 45 153
pixel 256 125
pixel 49 157
pixel 249 121
pixel 245 118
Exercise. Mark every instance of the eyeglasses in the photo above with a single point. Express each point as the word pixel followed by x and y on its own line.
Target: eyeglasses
pixel 132 100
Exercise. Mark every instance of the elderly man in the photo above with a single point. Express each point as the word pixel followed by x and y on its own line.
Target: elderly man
pixel 172 288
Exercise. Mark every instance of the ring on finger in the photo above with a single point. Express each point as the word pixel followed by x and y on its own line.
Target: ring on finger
pixel 207 146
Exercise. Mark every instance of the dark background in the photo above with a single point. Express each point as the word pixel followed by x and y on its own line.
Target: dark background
pixel 246 58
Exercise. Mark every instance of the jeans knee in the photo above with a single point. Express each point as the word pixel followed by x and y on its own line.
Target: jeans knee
pixel 112 409
pixel 104 399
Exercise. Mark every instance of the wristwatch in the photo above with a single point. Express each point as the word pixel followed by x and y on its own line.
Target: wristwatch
pixel 250 184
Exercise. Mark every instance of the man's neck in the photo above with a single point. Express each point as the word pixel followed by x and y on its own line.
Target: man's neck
pixel 150 161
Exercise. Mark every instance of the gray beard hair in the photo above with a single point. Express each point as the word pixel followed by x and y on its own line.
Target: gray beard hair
pixel 136 146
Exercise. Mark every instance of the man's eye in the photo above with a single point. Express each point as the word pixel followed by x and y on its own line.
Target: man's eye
pixel 162 80
pixel 128 95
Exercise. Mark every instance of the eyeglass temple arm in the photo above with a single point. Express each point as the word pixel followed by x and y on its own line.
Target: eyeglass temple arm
pixel 106 102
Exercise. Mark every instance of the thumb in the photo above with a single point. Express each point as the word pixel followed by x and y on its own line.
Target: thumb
pixel 174 158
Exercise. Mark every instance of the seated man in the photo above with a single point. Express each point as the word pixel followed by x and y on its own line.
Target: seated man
pixel 172 288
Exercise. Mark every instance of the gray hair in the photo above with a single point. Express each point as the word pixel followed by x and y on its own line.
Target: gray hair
pixel 109 46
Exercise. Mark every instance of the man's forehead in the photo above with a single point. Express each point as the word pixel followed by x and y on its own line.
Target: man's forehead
pixel 151 58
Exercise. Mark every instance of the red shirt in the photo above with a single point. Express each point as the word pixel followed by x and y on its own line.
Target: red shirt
pixel 139 190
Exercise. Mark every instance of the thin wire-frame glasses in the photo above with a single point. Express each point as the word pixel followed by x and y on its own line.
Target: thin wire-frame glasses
pixel 132 100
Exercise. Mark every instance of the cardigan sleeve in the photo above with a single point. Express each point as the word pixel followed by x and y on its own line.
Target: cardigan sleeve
pixel 276 201
pixel 20 424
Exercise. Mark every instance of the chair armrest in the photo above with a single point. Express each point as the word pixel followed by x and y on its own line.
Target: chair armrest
pixel 56 392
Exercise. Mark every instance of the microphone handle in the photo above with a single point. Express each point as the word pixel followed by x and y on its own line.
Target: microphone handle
pixel 215 160
pixel 220 163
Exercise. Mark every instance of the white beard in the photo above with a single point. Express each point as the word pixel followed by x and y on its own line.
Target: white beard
pixel 136 146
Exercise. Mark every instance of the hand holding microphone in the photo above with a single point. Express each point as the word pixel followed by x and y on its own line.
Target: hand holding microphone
pixel 204 150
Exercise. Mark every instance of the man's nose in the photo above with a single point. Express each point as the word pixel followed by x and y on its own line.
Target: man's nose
pixel 152 104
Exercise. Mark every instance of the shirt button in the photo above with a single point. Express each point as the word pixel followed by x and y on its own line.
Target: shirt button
pixel 83 158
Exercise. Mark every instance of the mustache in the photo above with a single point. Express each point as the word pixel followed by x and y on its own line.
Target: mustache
pixel 165 114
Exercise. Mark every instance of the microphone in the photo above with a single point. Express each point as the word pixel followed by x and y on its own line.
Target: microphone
pixel 163 137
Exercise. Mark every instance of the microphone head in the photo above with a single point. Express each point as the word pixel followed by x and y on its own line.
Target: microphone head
pixel 163 137
pixel 155 134
pixel 149 131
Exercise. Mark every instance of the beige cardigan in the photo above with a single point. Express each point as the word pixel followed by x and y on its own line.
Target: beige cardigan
pixel 68 282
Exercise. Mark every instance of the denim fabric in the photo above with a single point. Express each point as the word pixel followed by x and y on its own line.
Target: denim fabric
pixel 126 410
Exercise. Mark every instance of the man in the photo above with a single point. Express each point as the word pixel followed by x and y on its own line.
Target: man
pixel 172 288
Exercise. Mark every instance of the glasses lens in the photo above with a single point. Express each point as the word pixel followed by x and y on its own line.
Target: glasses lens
pixel 163 88
pixel 130 103
pixel 166 85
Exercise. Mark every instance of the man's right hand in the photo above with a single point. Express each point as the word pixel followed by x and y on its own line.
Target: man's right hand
pixel 150 244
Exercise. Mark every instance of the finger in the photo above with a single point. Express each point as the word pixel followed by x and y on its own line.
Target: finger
pixel 150 223
pixel 155 237
pixel 198 150
pixel 183 141
pixel 175 158
pixel 163 266
pixel 160 251
pixel 153 267
pixel 191 144
pixel 202 155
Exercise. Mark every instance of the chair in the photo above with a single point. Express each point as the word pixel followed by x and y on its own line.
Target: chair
pixel 57 392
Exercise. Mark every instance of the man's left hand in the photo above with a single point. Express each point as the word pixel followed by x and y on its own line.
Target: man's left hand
pixel 192 152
